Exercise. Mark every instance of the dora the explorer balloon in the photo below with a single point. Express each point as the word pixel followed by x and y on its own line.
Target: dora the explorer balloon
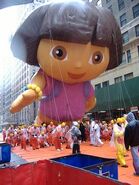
pixel 72 42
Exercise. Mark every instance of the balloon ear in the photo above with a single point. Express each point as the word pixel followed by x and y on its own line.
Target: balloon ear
pixel 26 39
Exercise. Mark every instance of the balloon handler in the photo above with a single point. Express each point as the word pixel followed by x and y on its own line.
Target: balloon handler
pixel 76 137
pixel 71 43
pixel 118 134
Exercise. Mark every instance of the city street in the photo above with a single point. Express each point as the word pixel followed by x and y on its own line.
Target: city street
pixel 125 174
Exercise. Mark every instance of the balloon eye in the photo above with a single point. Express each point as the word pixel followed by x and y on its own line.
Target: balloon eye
pixel 97 57
pixel 59 52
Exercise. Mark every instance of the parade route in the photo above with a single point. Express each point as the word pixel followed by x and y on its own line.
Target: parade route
pixel 125 174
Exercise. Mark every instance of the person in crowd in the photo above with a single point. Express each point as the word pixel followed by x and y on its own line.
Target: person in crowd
pixel 34 142
pixel 105 132
pixel 69 141
pixel 82 129
pixel 10 130
pixel 15 138
pixel 124 122
pixel 24 137
pixel 23 141
pixel 35 130
pixel 131 139
pixel 4 134
pixel 67 135
pixel 64 129
pixel 87 129
pixel 118 136
pixel 92 132
pixel 49 131
pixel 43 128
pixel 10 135
pixel 57 134
pixel 76 137
pixel 42 140
pixel 95 134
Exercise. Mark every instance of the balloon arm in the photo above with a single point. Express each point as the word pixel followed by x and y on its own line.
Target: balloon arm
pixel 28 96
pixel 24 99
pixel 90 103
pixel 39 80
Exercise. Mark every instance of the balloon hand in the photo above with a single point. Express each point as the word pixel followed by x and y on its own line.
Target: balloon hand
pixel 26 98
pixel 91 103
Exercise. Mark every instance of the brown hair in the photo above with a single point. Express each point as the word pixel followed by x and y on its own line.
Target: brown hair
pixel 76 21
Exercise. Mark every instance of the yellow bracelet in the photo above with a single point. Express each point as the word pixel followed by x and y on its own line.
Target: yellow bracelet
pixel 36 88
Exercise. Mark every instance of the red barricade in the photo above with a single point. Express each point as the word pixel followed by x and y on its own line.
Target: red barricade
pixel 22 175
pixel 60 174
pixel 47 172
pixel 6 176
pixel 40 173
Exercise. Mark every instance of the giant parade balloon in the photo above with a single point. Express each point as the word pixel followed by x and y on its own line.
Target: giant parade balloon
pixel 72 42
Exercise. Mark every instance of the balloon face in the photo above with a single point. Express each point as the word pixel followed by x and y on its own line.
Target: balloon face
pixel 72 62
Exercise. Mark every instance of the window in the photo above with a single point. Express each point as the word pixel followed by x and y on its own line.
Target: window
pixel 98 86
pixel 128 56
pixel 135 11
pixel 99 3
pixel 108 1
pixel 125 37
pixel 123 20
pixel 137 30
pixel 105 84
pixel 121 4
pixel 128 76
pixel 110 8
pixel 123 58
pixel 41 1
pixel 118 79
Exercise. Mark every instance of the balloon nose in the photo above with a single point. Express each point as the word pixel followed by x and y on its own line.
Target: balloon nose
pixel 78 64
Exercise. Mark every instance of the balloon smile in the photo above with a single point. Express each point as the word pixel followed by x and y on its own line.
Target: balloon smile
pixel 76 76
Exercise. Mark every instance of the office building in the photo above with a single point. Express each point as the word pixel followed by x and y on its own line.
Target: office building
pixel 16 76
pixel 117 90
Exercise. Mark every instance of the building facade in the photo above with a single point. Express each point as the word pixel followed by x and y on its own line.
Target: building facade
pixel 127 14
pixel 16 76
